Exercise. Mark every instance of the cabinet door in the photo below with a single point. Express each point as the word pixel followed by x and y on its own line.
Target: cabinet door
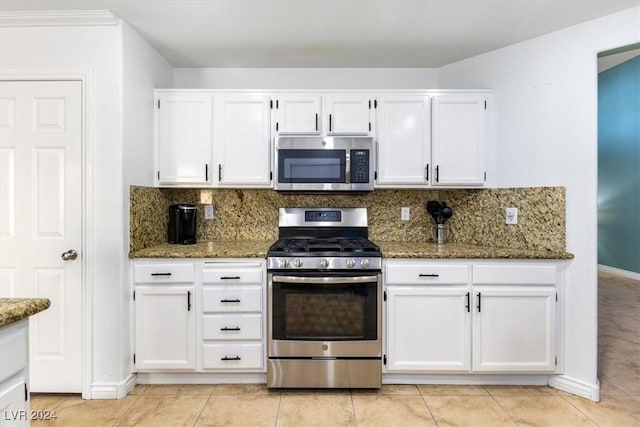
pixel 403 129
pixel 457 143
pixel 14 402
pixel 428 329
pixel 183 139
pixel 298 114
pixel 165 334
pixel 242 141
pixel 514 329
pixel 348 115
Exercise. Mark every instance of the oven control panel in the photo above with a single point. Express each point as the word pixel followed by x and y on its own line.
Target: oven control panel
pixel 323 216
pixel 324 263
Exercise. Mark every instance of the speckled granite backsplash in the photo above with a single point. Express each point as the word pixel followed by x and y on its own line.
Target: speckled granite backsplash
pixel 478 215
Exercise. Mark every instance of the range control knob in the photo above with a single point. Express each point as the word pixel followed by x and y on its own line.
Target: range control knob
pixel 324 263
pixel 297 263
pixel 364 263
pixel 351 263
pixel 284 263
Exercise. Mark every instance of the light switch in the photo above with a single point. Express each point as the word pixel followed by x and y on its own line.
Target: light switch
pixel 511 216
pixel 404 213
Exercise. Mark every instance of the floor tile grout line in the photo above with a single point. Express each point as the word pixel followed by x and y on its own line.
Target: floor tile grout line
pixel 353 407
pixel 202 409
pixel 433 417
pixel 502 407
pixel 117 421
pixel 275 423
pixel 579 410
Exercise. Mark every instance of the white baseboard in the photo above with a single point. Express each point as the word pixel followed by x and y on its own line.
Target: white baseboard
pixel 619 272
pixel 466 379
pixel 200 378
pixel 573 386
pixel 113 390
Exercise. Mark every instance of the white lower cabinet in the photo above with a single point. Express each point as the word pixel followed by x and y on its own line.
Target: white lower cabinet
pixel 233 299
pixel 502 319
pixel 164 298
pixel 14 374
pixel 428 329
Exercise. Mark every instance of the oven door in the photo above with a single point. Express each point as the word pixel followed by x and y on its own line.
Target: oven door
pixel 324 315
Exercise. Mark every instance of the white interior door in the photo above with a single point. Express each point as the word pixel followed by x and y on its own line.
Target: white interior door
pixel 41 218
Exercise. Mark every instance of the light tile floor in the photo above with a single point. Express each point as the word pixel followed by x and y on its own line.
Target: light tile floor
pixel 393 405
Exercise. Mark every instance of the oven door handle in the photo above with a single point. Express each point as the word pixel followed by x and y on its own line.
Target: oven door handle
pixel 325 280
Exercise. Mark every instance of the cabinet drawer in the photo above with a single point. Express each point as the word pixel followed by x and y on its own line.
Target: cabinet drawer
pixel 233 356
pixel 163 273
pixel 496 274
pixel 237 275
pixel 240 298
pixel 13 349
pixel 427 274
pixel 232 327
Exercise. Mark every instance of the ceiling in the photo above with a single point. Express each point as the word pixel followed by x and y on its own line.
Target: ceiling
pixel 334 33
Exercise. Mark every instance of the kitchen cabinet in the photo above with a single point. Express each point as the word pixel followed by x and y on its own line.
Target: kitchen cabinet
pixel 242 140
pixel 14 374
pixel 183 138
pixel 232 320
pixel 514 322
pixel 427 316
pixel 486 317
pixel 403 124
pixel 458 139
pixel 164 303
pixel 298 114
pixel 348 114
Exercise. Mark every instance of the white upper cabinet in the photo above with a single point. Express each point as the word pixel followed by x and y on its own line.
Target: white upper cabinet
pixel 348 114
pixel 458 136
pixel 403 129
pixel 183 138
pixel 298 114
pixel 242 140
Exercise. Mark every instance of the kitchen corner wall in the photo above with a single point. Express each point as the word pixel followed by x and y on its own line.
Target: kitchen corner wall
pixel 478 215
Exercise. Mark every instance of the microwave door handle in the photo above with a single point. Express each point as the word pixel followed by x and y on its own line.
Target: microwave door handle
pixel 325 280
pixel 347 166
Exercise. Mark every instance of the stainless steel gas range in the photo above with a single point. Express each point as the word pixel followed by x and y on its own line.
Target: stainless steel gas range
pixel 324 301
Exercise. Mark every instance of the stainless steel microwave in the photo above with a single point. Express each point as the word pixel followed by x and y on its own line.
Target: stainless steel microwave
pixel 324 163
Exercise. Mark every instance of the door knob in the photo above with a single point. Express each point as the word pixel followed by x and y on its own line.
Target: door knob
pixel 69 255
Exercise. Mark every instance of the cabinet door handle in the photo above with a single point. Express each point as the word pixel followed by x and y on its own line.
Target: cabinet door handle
pixel 219 172
pixel 229 300
pixel 188 300
pixel 479 302
pixel 316 121
pixel 468 306
pixel 329 122
pixel 426 172
pixel 206 172
pixel 230 278
pixel 237 328
pixel 161 274
pixel 438 173
pixel 428 275
pixel 230 358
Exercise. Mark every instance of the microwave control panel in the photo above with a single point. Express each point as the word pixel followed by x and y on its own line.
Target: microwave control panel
pixel 359 166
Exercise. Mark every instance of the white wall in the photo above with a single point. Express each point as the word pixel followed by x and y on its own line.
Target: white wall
pixel 143 70
pixel 97 49
pixel 305 78
pixel 546 127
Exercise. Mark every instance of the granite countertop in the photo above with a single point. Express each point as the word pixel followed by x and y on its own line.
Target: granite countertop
pixel 458 250
pixel 15 309
pixel 258 249
pixel 214 249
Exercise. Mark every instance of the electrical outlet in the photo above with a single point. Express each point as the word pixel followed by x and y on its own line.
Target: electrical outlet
pixel 511 216
pixel 208 211
pixel 404 213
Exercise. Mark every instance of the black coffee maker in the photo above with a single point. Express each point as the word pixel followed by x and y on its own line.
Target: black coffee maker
pixel 182 224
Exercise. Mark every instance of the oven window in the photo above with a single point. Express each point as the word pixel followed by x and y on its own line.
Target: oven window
pixel 324 312
pixel 311 166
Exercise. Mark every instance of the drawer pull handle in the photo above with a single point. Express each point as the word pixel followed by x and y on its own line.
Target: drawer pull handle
pixel 479 302
pixel 230 358
pixel 229 300
pixel 188 300
pixel 468 306
pixel 428 275
pixel 161 274
pixel 230 278
pixel 237 328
